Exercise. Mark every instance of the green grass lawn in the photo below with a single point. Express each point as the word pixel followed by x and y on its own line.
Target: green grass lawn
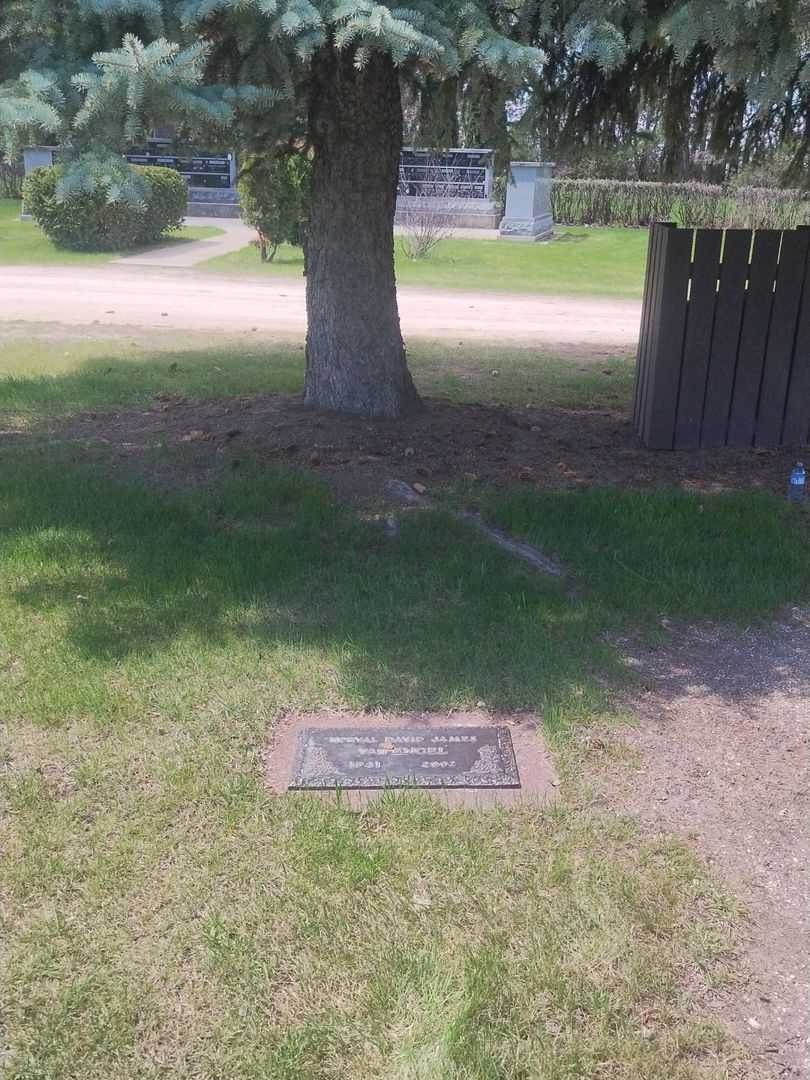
pixel 578 261
pixel 163 915
pixel 23 243
pixel 42 376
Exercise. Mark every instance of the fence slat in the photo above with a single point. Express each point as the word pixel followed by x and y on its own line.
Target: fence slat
pixel 641 352
pixel 753 339
pixel 648 326
pixel 653 330
pixel 726 336
pixel 668 351
pixel 779 351
pixel 698 341
pixel 796 428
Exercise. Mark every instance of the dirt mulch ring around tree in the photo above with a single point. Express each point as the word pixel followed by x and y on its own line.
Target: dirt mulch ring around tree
pixel 722 747
pixel 447 443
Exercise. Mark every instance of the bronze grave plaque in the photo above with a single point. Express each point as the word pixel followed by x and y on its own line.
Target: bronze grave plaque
pixel 330 758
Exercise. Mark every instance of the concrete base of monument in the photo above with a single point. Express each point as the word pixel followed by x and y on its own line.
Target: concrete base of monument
pixel 527 229
pixel 370 752
pixel 448 213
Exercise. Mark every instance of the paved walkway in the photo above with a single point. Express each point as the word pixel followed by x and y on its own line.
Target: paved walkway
pixel 126 294
pixel 235 235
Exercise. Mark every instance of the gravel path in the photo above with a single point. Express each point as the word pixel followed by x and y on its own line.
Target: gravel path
pixel 724 761
pixel 235 236
pixel 127 294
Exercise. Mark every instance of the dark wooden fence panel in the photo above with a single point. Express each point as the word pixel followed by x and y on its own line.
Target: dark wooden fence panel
pixel 726 338
pixel 796 426
pixel 753 339
pixel 724 346
pixel 698 344
pixel 662 394
pixel 782 338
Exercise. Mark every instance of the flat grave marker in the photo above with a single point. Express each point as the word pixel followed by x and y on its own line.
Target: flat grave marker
pixel 370 758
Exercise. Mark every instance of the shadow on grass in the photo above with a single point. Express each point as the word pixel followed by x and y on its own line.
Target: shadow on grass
pixel 268 570
pixel 41 378
pixel 61 377
pixel 646 555
pixel 190 234
pixel 264 576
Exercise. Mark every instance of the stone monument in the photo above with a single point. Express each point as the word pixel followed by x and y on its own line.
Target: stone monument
pixel 37 157
pixel 528 202
pixel 454 187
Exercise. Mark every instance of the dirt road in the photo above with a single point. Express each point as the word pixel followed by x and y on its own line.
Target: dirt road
pixel 127 295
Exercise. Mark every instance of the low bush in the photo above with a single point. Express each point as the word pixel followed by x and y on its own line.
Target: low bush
pixel 639 203
pixel 11 179
pixel 274 196
pixel 422 231
pixel 89 221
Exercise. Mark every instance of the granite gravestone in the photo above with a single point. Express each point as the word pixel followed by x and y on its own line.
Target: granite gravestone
pixel 438 757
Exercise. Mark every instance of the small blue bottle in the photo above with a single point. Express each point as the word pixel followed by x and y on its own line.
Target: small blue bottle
pixel 797 487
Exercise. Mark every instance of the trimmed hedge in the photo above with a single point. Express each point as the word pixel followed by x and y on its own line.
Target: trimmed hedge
pixel 88 222
pixel 639 203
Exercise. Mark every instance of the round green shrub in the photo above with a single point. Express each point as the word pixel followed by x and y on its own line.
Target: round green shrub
pixel 86 221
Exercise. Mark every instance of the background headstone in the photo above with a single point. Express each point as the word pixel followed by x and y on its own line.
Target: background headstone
pixel 528 202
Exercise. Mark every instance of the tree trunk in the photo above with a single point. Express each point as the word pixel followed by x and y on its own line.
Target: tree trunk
pixel 355 355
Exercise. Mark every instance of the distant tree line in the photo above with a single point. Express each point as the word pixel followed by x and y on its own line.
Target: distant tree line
pixel 677 85
pixel 665 105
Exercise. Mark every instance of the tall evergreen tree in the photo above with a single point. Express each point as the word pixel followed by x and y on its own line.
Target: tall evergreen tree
pixel 727 76
pixel 99 73
pixel 335 68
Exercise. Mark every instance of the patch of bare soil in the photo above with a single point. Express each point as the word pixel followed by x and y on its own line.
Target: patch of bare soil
pixel 544 447
pixel 723 743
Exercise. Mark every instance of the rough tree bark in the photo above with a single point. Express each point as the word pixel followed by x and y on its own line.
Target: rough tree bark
pixel 355 356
